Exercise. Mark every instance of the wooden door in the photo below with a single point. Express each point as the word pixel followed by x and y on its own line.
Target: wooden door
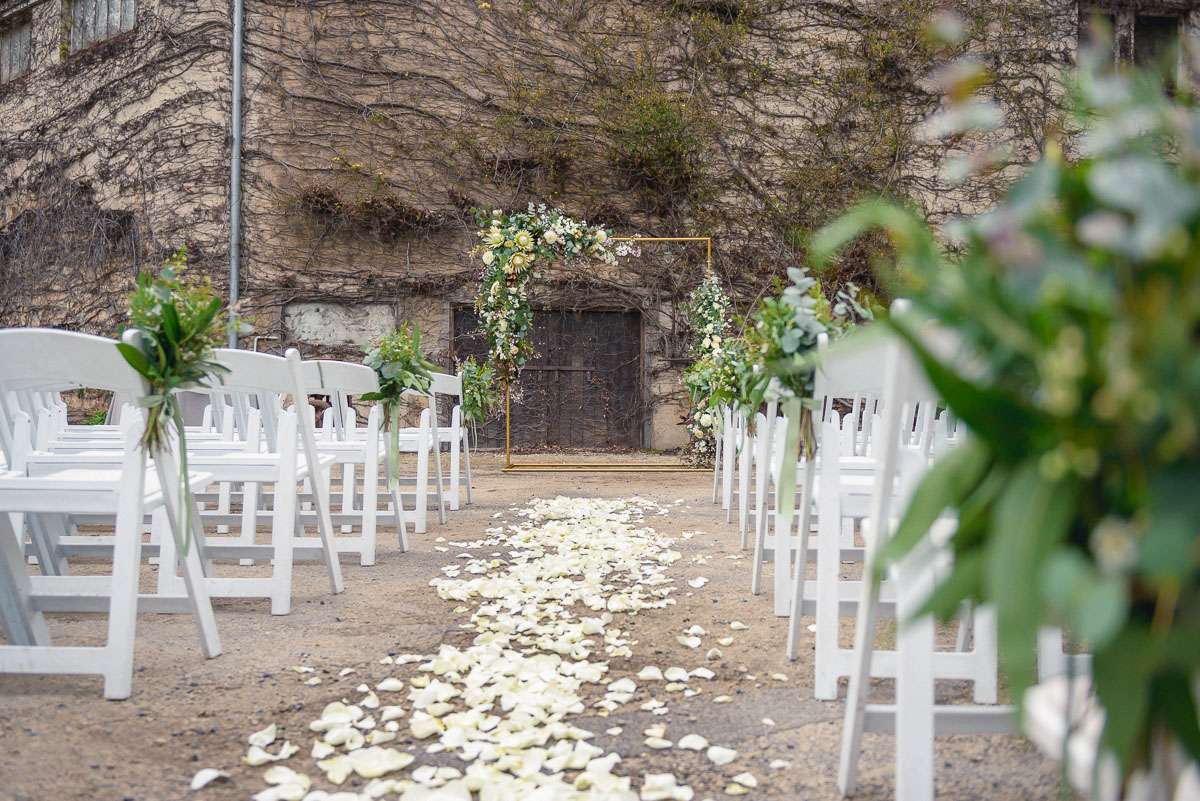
pixel 581 389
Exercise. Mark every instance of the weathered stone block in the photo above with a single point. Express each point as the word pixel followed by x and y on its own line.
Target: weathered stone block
pixel 338 324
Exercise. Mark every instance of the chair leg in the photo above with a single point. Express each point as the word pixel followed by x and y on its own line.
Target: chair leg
pixel 194 567
pixel 455 473
pixel 422 491
pixel 401 522
pixel 441 482
pixel 122 608
pixel 21 621
pixel 250 501
pixel 320 482
pixel 349 490
pixel 987 655
pixel 466 449
pixel 800 563
pixel 829 525
pixel 224 499
pixel 914 691
pixel 860 681
pixel 283 526
pixel 370 506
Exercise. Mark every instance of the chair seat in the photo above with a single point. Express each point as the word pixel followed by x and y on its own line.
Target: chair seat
pixel 92 489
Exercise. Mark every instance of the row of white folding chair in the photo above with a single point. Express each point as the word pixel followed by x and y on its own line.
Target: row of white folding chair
pixel 284 455
pixel 44 360
pixel 914 717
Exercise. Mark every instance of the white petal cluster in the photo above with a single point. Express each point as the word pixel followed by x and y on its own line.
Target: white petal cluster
pixel 547 594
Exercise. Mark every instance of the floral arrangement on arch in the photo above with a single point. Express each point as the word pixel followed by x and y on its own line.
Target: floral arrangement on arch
pixel 515 248
pixel 709 309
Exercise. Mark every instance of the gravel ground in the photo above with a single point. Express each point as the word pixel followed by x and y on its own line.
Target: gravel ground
pixel 64 742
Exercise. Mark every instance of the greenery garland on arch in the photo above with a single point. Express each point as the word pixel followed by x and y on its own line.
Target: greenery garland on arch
pixel 516 248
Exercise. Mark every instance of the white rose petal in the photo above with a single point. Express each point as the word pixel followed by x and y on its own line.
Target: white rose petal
pixel 264 737
pixel 697 582
pixel 688 641
pixel 205 776
pixel 746 780
pixel 721 756
pixel 650 673
pixel 738 625
pixel 692 742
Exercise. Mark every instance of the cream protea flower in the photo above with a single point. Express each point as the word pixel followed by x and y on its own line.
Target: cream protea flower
pixel 523 240
pixel 494 237
pixel 518 261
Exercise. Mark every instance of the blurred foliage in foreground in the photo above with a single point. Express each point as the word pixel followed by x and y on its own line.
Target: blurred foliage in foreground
pixel 1078 493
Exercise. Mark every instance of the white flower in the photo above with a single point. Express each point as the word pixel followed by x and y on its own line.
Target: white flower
pixel 550 237
pixel 488 257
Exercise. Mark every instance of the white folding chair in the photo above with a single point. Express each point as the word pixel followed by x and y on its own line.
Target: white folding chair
pixel 46 359
pixel 914 716
pixel 288 457
pixel 341 381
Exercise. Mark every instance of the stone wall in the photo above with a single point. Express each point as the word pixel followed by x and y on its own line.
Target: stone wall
pixel 373 128
pixel 110 158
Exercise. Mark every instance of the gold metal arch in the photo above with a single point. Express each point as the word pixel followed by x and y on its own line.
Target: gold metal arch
pixel 601 467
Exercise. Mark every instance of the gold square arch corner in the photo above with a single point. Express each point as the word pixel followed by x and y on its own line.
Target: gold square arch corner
pixel 601 467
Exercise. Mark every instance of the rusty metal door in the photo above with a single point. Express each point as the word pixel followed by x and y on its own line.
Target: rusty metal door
pixel 581 389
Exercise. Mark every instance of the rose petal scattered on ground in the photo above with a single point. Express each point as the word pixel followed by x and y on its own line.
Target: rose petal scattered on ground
pixel 721 756
pixel 746 780
pixel 205 776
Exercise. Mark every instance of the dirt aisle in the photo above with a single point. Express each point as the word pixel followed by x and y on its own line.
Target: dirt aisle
pixel 64 742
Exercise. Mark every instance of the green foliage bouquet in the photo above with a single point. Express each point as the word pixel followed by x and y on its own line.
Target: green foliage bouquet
pixel 397 360
pixel 1078 298
pixel 479 393
pixel 174 325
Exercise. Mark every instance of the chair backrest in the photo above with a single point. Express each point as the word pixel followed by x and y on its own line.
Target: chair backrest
pixel 252 372
pixel 53 359
pixel 339 380
pixel 329 377
pixel 446 384
pixel 35 361
pixel 255 380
